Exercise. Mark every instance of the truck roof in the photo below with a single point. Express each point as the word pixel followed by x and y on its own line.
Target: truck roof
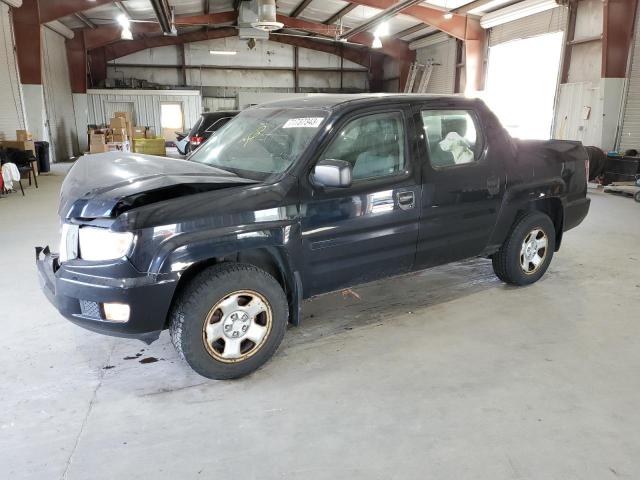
pixel 334 101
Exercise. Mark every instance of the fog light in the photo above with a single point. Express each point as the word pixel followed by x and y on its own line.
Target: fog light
pixel 116 312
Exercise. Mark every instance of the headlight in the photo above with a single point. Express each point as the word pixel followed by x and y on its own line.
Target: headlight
pixel 103 244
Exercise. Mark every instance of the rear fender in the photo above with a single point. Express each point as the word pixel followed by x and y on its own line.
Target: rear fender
pixel 527 197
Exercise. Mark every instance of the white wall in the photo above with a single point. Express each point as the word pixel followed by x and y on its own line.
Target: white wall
pixel 588 106
pixel 145 105
pixel 443 55
pixel 265 54
pixel 61 118
pixel 12 115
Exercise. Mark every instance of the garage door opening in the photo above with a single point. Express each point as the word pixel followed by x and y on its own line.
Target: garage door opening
pixel 171 120
pixel 521 84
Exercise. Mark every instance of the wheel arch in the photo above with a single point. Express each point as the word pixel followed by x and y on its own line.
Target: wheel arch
pixel 274 260
pixel 554 209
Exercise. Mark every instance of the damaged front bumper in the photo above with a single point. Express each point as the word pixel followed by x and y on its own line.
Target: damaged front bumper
pixel 80 289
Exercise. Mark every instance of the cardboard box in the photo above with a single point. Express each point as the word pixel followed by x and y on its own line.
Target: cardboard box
pixel 97 139
pixel 23 146
pixel 118 122
pixel 98 148
pixel 139 132
pixel 23 136
pixel 129 121
pixel 118 137
pixel 125 115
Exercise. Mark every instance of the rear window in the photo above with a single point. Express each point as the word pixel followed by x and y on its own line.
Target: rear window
pixel 195 128
pixel 218 124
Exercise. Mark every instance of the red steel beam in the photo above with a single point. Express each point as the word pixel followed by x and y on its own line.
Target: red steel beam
pixel 26 27
pixel 123 48
pixel 105 35
pixel 208 19
pixel 619 20
pixel 127 47
pixel 390 46
pixel 77 58
pixel 459 26
pixel 51 10
pixel 98 65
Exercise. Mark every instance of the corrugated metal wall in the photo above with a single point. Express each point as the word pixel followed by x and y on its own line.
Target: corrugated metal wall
pixel 11 108
pixel 57 97
pixel 213 104
pixel 146 105
pixel 570 121
pixel 554 20
pixel 443 78
pixel 630 136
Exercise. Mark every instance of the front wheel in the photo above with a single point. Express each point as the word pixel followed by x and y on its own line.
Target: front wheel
pixel 229 320
pixel 526 254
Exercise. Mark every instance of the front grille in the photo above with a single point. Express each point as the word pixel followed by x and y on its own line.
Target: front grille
pixel 91 309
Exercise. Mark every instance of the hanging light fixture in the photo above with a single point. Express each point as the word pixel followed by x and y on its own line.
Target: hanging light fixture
pixel 448 15
pixel 126 34
pixel 126 27
pixel 382 30
pixel 377 43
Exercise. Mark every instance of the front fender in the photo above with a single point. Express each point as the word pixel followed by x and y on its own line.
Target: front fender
pixel 282 241
pixel 184 249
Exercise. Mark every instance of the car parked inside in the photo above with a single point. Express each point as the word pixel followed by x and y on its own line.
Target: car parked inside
pixel 207 125
pixel 298 198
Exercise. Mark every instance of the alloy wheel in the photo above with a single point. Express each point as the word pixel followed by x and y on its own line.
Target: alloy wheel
pixel 533 251
pixel 237 326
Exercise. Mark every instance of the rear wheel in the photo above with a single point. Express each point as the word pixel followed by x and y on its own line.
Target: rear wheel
pixel 527 253
pixel 636 197
pixel 229 320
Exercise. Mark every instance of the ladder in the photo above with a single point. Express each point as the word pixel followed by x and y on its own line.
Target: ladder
pixel 424 71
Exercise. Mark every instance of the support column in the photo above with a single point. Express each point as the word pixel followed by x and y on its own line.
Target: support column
pixel 617 37
pixel 78 74
pixel 27 30
pixel 376 73
pixel 98 66
pixel 77 58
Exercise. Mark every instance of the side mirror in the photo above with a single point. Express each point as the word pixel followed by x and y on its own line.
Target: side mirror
pixel 332 173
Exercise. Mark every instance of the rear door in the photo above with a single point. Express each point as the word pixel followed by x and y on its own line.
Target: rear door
pixel 463 186
pixel 369 230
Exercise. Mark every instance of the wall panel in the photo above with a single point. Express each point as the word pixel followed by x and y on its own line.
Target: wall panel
pixel 11 105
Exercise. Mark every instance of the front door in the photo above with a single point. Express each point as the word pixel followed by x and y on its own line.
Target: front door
pixel 369 230
pixel 463 187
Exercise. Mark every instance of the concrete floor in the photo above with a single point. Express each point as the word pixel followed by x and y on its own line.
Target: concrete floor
pixel 447 374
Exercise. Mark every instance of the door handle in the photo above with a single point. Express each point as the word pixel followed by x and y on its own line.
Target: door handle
pixel 406 200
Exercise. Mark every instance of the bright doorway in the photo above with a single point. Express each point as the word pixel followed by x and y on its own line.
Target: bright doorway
pixel 171 120
pixel 521 84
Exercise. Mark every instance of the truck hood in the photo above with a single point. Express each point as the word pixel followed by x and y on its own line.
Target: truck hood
pixel 108 184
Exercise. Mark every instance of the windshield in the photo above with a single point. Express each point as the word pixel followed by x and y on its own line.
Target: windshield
pixel 261 142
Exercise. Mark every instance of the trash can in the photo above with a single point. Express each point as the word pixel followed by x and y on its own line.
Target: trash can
pixel 42 154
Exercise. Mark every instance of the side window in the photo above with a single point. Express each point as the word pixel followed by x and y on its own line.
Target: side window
pixel 374 146
pixel 452 137
pixel 218 124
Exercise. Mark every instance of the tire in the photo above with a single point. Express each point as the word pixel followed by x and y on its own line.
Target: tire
pixel 508 261
pixel 636 197
pixel 213 326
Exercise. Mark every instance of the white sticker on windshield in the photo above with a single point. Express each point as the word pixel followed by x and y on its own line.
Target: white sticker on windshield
pixel 309 122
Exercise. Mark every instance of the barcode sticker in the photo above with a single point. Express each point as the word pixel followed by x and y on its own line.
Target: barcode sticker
pixel 309 122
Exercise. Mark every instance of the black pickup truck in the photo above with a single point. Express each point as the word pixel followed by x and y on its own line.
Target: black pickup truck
pixel 294 199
